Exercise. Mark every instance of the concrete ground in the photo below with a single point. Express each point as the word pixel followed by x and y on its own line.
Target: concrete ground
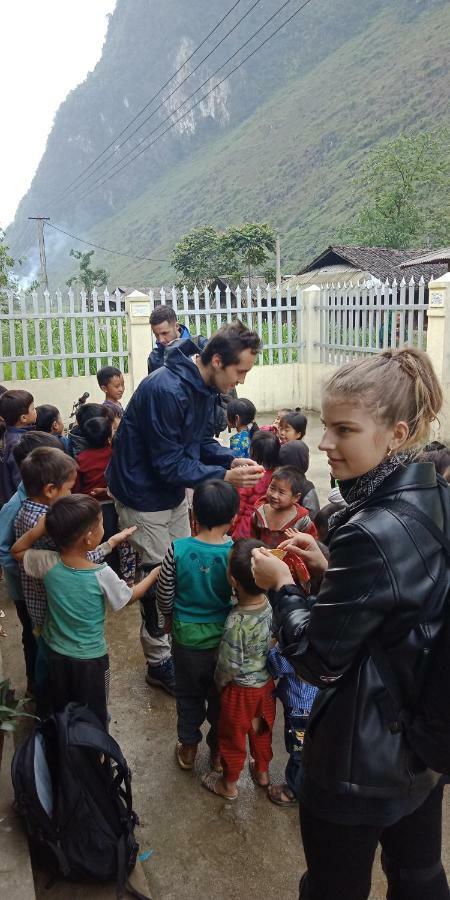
pixel 197 844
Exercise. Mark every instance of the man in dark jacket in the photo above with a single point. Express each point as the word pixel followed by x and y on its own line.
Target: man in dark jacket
pixel 166 330
pixel 164 445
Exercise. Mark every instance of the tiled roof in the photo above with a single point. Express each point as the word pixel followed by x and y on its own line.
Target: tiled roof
pixel 381 262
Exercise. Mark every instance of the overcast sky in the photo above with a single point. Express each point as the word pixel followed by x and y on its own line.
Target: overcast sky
pixel 47 48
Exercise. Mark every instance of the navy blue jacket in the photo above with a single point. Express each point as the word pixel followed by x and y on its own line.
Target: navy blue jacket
pixel 164 443
pixel 156 356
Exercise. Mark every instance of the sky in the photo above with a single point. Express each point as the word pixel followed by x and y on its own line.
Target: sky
pixel 47 49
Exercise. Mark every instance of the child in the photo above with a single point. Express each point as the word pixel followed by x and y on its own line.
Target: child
pixel 241 414
pixel 247 702
pixel 321 521
pixel 293 428
pixel 91 479
pixel 280 509
pixel 18 412
pixel 275 426
pixel 264 449
pixel 295 453
pixel 111 382
pixel 48 419
pixel 194 597
pixel 77 441
pixel 29 441
pixel 77 589
pixel 297 698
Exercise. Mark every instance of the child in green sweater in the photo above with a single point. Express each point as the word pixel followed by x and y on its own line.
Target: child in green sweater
pixel 193 599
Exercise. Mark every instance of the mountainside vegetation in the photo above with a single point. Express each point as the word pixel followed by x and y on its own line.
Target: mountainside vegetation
pixel 281 141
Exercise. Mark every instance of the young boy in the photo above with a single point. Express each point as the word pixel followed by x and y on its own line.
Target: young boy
pixel 77 589
pixel 247 703
pixel 76 439
pixel 280 509
pixel 29 441
pixel 18 412
pixel 111 382
pixel 297 698
pixel 193 597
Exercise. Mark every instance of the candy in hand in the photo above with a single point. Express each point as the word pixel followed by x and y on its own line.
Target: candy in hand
pixel 297 567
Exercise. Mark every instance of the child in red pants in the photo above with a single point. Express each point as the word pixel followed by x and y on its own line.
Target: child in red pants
pixel 247 702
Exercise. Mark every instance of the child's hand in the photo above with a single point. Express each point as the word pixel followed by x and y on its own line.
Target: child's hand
pixel 99 493
pixel 121 536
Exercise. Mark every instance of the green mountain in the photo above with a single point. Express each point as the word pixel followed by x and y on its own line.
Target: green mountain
pixel 279 141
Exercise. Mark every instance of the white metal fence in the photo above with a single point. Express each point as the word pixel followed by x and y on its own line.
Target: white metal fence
pixel 51 336
pixel 358 320
pixel 275 315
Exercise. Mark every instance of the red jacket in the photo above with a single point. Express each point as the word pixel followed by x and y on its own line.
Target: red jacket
pixel 242 528
pixel 91 469
pixel 300 521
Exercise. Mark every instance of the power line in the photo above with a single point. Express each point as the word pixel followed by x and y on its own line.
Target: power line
pixel 114 170
pixel 152 99
pixel 106 249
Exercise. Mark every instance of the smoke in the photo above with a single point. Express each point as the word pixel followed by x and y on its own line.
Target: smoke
pixel 55 245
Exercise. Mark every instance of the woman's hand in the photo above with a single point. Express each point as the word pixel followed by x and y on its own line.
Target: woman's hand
pixel 269 571
pixel 305 546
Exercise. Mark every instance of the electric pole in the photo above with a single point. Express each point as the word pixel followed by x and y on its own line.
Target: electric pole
pixel 278 263
pixel 40 232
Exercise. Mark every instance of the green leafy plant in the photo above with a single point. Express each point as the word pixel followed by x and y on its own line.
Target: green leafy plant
pixel 10 708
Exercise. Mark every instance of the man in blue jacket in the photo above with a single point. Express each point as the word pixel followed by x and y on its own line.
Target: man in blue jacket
pixel 164 445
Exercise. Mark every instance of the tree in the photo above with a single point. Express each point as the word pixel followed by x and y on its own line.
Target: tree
pixel 205 253
pixel 249 244
pixel 401 180
pixel 90 278
pixel 7 279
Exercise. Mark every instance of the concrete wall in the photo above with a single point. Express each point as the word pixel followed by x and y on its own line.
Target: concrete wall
pixel 62 392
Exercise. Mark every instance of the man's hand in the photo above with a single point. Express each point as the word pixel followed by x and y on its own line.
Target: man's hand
pixel 244 473
pixel 244 476
pixel 121 536
pixel 305 546
pixel 269 571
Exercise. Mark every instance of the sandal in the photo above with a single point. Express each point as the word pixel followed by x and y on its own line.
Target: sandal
pixel 216 763
pixel 252 770
pixel 276 790
pixel 210 782
pixel 184 763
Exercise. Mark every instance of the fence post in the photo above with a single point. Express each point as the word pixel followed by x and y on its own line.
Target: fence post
pixel 138 310
pixel 438 340
pixel 310 300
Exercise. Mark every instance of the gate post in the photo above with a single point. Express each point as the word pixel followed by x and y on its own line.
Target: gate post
pixel 138 309
pixel 311 336
pixel 438 341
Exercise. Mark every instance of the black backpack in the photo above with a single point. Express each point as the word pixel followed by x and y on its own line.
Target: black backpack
pixel 72 786
pixel 427 727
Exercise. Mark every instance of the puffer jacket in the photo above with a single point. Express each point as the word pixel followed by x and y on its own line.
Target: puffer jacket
pixel 379 585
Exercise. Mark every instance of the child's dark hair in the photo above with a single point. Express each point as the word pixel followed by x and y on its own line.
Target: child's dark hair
pixel 105 374
pixel 97 431
pixel 45 416
pixel 30 441
pixel 70 517
pixel 265 449
pixel 46 465
pixel 14 404
pixel 240 565
pixel 215 503
pixel 297 421
pixel 292 476
pixel 246 410
pixel 92 410
pixel 2 424
pixel 296 454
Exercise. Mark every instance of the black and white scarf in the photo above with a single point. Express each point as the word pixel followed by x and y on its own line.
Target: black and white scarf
pixel 357 490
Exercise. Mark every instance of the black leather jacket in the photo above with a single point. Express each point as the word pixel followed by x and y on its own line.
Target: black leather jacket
pixel 380 580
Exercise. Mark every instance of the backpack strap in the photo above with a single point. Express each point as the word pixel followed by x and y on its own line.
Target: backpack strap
pixel 83 734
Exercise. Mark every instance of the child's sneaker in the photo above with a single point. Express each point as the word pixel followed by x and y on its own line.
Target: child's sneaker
pixel 162 676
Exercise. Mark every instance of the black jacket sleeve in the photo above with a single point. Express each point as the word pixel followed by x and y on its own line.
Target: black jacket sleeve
pixel 321 636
